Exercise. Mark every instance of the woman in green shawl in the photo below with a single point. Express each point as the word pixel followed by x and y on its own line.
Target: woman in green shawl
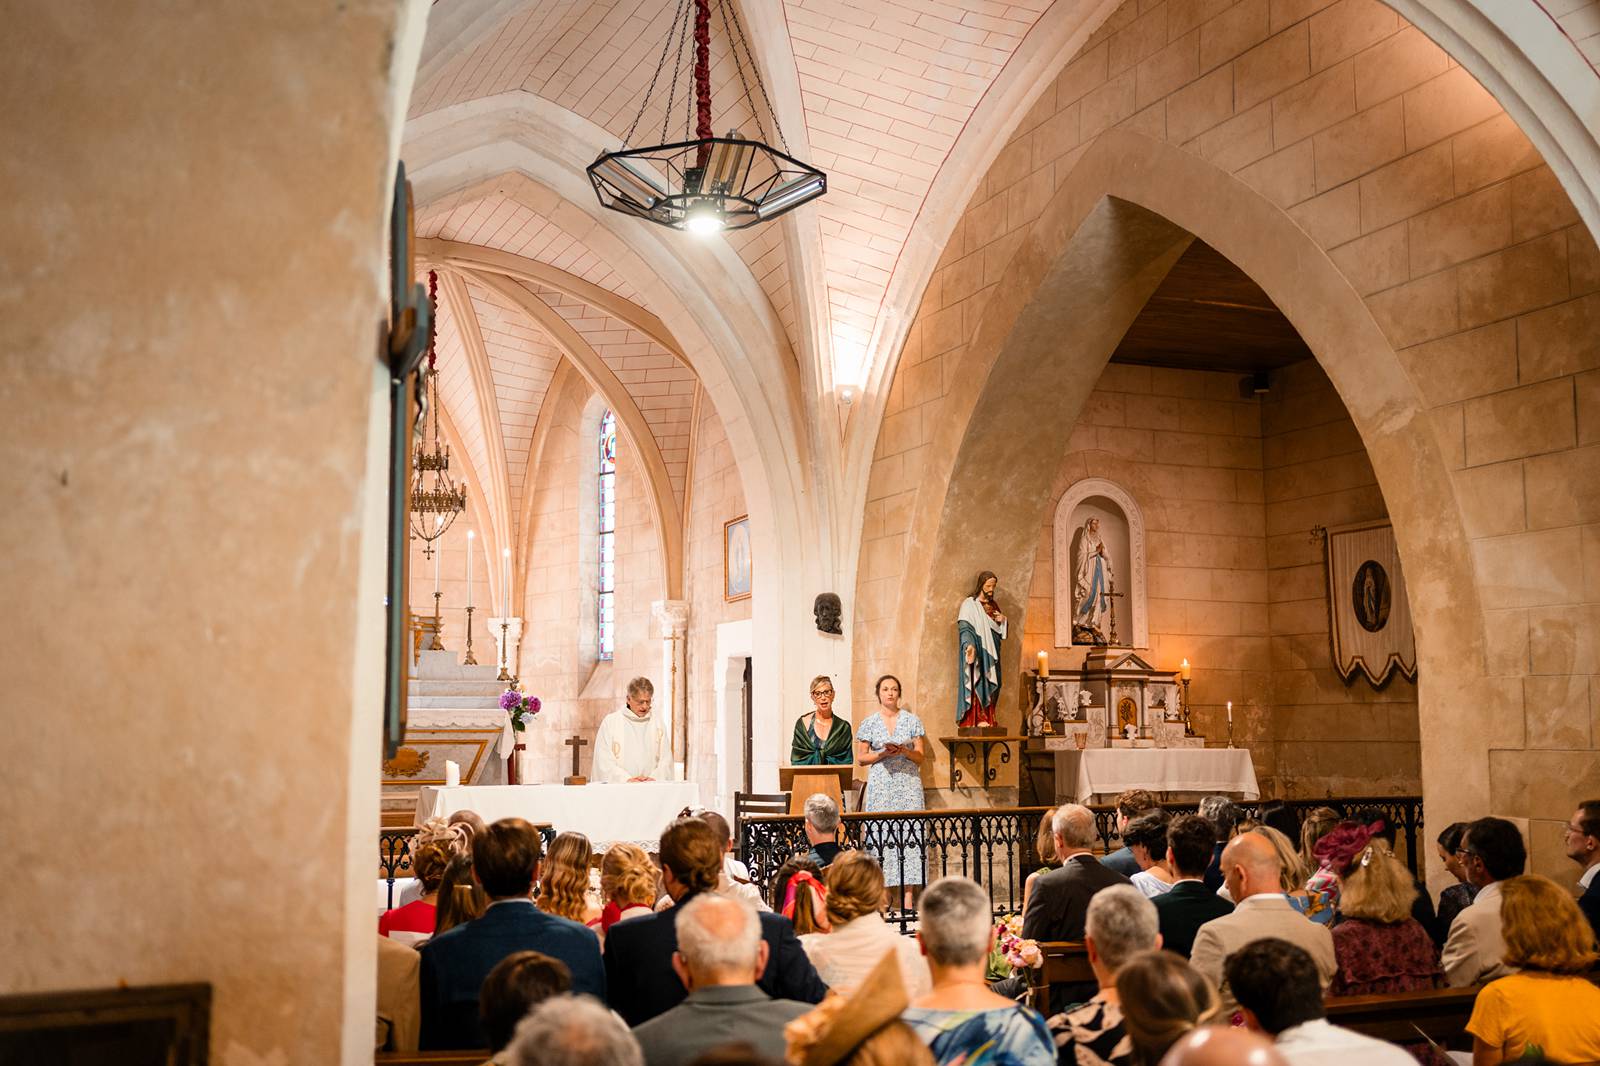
pixel 821 738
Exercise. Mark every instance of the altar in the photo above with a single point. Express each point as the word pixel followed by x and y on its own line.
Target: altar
pixel 634 812
pixel 1083 775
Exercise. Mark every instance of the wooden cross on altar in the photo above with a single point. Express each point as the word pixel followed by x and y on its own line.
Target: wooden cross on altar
pixel 577 744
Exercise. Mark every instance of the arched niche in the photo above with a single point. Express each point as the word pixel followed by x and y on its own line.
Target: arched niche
pixel 1122 529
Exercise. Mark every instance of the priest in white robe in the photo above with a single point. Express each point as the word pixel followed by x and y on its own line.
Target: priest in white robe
pixel 631 745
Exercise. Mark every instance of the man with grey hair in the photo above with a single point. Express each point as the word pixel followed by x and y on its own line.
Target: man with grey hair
pixel 720 956
pixel 1060 898
pixel 822 829
pixel 572 1031
pixel 1120 924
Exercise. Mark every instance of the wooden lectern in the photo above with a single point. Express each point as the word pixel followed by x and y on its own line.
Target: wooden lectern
pixel 803 782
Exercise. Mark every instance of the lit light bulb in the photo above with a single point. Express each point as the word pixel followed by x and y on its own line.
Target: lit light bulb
pixel 703 218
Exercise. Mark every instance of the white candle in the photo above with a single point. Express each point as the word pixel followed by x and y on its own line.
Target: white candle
pixel 438 550
pixel 470 535
pixel 1230 712
pixel 505 583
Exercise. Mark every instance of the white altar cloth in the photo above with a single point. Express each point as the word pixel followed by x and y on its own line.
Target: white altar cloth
pixel 1105 771
pixel 634 811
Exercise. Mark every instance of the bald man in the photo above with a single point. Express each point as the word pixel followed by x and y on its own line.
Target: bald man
pixel 1219 1046
pixel 1250 870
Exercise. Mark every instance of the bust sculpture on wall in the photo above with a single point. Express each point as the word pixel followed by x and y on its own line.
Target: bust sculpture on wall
pixel 829 612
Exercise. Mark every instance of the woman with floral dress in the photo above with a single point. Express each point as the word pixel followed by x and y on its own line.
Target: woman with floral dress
pixel 890 742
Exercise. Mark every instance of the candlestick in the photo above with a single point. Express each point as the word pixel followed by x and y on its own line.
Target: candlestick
pixel 505 647
pixel 505 583
pixel 1188 723
pixel 471 535
pixel 437 645
pixel 469 660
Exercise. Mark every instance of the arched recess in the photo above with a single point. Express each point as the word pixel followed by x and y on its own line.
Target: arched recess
pixel 726 329
pixel 630 420
pixel 1138 599
pixel 1083 271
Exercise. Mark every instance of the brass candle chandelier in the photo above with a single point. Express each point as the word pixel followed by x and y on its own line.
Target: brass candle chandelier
pixel 700 182
pixel 435 497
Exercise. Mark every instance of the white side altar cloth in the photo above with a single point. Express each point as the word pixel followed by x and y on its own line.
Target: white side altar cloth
pixel 1104 771
pixel 635 812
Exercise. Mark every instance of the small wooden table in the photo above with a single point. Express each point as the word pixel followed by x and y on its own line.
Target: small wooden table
pixel 803 782
pixel 980 744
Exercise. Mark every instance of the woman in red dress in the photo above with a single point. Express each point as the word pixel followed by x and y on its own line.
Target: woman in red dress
pixel 431 851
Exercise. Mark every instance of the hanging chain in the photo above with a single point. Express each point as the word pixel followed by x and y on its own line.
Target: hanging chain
pixel 679 33
pixel 666 50
pixel 755 68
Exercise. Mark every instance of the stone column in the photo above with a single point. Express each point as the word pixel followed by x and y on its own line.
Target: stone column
pixel 672 619
pixel 507 634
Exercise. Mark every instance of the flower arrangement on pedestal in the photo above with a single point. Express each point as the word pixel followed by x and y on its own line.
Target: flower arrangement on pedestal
pixel 1012 954
pixel 519 708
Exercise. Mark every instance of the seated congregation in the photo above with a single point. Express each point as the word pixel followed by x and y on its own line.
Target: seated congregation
pixel 1270 941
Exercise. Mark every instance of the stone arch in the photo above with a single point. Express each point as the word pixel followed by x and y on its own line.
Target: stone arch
pixel 1083 271
pixel 1138 597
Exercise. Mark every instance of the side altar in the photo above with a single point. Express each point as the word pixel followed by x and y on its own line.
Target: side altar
pixel 1116 699
pixel 453 715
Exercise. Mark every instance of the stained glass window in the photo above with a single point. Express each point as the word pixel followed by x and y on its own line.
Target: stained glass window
pixel 606 614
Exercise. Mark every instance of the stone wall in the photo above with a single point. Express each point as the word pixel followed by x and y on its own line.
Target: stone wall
pixel 196 464
pixel 715 495
pixel 1416 185
pixel 558 661
pixel 451 551
pixel 1329 738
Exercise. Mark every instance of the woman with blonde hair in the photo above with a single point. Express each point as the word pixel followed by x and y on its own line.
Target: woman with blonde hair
pixel 629 884
pixel 1380 947
pixel 432 848
pixel 1549 1009
pixel 860 938
pixel 821 738
pixel 1162 998
pixel 564 879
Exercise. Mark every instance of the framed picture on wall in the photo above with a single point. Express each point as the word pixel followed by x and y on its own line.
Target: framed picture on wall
pixel 736 559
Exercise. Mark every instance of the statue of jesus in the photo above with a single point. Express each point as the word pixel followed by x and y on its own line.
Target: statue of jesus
pixel 1092 588
pixel 981 627
pixel 631 746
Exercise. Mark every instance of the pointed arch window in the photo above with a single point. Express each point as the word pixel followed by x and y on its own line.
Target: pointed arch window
pixel 605 614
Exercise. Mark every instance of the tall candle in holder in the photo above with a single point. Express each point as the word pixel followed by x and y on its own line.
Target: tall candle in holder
pixel 505 583
pixel 471 536
pixel 1044 664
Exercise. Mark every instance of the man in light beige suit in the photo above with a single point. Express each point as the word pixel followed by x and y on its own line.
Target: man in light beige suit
pixel 1491 851
pixel 399 996
pixel 1250 870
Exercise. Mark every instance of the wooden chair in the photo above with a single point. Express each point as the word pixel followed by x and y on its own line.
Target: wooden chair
pixel 1066 962
pixel 748 804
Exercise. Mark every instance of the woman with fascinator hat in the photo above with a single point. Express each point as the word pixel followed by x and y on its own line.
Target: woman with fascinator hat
pixel 861 1029
pixel 1380 947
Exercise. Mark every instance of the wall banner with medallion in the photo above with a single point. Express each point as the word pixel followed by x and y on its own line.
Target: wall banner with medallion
pixel 1369 615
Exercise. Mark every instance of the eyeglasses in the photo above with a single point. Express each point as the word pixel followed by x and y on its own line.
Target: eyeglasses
pixel 823 692
pixel 1578 829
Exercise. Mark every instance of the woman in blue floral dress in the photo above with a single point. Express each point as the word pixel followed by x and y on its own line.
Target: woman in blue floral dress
pixel 891 742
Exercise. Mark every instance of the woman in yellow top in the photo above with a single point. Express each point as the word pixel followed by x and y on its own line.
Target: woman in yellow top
pixel 1548 1009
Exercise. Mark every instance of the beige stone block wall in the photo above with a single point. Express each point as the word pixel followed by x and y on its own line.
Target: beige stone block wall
pixel 1328 738
pixel 452 555
pixel 1437 210
pixel 715 495
pixel 558 664
pixel 196 463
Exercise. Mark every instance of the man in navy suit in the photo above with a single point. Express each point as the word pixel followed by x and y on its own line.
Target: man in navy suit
pixel 505 861
pixel 1188 904
pixel 639 951
pixel 1583 848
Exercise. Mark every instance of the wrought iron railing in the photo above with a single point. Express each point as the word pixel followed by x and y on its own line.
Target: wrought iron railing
pixel 995 846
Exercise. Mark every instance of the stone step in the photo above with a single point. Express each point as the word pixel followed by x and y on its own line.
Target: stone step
pixel 490 689
pixel 471 703
pixel 446 666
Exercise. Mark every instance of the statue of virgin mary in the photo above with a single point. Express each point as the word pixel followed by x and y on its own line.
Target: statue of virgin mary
pixel 981 628
pixel 1091 588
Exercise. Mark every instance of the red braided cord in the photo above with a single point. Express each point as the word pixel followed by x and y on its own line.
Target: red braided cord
pixel 702 69
pixel 433 315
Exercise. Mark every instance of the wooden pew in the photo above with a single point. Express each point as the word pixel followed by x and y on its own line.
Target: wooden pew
pixel 1440 1013
pixel 431 1058
pixel 1066 962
